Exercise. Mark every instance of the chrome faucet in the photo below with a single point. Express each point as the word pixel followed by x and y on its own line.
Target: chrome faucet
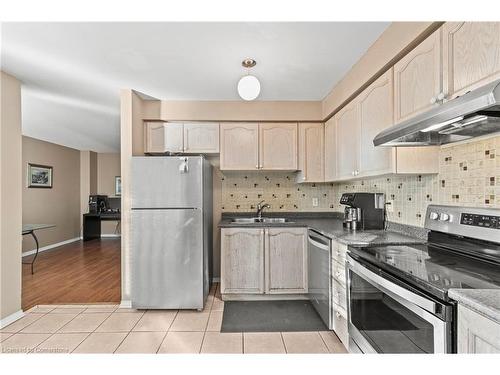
pixel 260 208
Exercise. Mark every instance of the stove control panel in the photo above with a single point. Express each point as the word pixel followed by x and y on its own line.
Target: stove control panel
pixel 484 221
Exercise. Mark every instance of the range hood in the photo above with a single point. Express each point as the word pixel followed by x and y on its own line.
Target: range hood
pixel 471 115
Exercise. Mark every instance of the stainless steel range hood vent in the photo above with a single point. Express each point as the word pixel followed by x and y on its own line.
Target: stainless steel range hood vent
pixel 471 115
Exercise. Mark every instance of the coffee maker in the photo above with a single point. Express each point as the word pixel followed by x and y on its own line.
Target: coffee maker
pixel 364 210
pixel 97 203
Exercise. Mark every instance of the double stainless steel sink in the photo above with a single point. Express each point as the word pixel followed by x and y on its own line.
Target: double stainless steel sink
pixel 253 220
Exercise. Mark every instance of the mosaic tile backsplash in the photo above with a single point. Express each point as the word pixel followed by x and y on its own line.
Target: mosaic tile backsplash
pixel 469 175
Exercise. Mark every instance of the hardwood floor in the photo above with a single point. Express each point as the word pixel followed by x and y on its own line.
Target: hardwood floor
pixel 80 272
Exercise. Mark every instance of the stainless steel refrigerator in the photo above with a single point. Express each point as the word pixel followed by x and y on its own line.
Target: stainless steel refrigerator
pixel 171 232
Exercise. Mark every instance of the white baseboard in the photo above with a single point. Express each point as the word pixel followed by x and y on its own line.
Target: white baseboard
pixel 11 318
pixel 48 247
pixel 110 235
pixel 125 304
pixel 216 279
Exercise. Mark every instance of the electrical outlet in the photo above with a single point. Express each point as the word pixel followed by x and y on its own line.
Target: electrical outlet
pixel 389 205
pixel 315 202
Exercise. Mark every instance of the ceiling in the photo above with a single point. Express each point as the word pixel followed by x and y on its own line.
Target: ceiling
pixel 72 72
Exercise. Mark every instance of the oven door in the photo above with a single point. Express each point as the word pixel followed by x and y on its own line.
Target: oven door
pixel 385 317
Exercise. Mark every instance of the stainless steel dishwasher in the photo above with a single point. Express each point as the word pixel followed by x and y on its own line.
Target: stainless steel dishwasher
pixel 319 273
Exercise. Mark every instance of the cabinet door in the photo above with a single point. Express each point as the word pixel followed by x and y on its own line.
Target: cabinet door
pixel 201 137
pixel 174 137
pixel 330 150
pixel 278 146
pixel 311 152
pixel 239 146
pixel 286 260
pixel 347 127
pixel 476 333
pixel 376 113
pixel 242 261
pixel 161 137
pixel 471 55
pixel 154 137
pixel 417 78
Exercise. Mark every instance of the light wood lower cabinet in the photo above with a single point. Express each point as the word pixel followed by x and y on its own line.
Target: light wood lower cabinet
pixel 271 261
pixel 242 261
pixel 286 260
pixel 476 333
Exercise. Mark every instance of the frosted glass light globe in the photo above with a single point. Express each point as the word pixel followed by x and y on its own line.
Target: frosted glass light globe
pixel 249 87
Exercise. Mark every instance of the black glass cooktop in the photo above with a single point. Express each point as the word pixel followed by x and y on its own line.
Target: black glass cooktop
pixel 432 268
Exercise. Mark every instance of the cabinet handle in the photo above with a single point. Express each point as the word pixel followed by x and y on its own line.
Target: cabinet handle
pixel 441 96
pixel 433 100
pixel 257 166
pixel 337 314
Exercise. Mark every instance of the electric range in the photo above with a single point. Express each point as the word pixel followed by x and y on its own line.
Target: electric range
pixel 398 295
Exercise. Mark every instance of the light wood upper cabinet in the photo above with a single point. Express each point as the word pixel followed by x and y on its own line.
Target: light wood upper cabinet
pixel 330 150
pixel 177 137
pixel 201 138
pixel 311 152
pixel 239 146
pixel 278 146
pixel 162 137
pixel 376 114
pixel 242 261
pixel 417 78
pixel 471 55
pixel 347 127
pixel 286 260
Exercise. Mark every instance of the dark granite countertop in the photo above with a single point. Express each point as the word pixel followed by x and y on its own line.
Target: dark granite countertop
pixel 330 225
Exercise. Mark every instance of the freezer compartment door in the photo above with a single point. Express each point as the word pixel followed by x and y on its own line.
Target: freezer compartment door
pixel 167 264
pixel 167 182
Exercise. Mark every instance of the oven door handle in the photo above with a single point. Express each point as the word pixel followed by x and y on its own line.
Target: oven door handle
pixel 390 287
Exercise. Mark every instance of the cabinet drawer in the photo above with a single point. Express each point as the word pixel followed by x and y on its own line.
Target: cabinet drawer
pixel 340 324
pixel 338 272
pixel 339 251
pixel 339 294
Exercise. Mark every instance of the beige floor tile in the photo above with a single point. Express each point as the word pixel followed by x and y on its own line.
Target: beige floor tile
pixel 72 306
pixel 190 321
pixel 127 310
pixel 22 323
pixel 141 342
pixel 4 336
pixel 49 323
pixel 263 342
pixel 304 342
pixel 100 308
pixel 182 342
pixel 208 304
pixel 85 323
pixel 60 343
pixel 216 342
pixel 156 320
pixel 120 322
pixel 101 342
pixel 41 309
pixel 332 342
pixel 218 304
pixel 215 321
pixel 75 310
pixel 23 342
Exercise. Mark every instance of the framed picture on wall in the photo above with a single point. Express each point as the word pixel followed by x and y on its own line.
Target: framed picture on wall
pixel 39 176
pixel 118 185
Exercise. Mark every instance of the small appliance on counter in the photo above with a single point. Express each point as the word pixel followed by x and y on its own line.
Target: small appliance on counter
pixel 364 210
pixel 98 203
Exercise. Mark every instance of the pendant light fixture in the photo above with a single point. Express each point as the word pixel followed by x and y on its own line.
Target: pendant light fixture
pixel 249 85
